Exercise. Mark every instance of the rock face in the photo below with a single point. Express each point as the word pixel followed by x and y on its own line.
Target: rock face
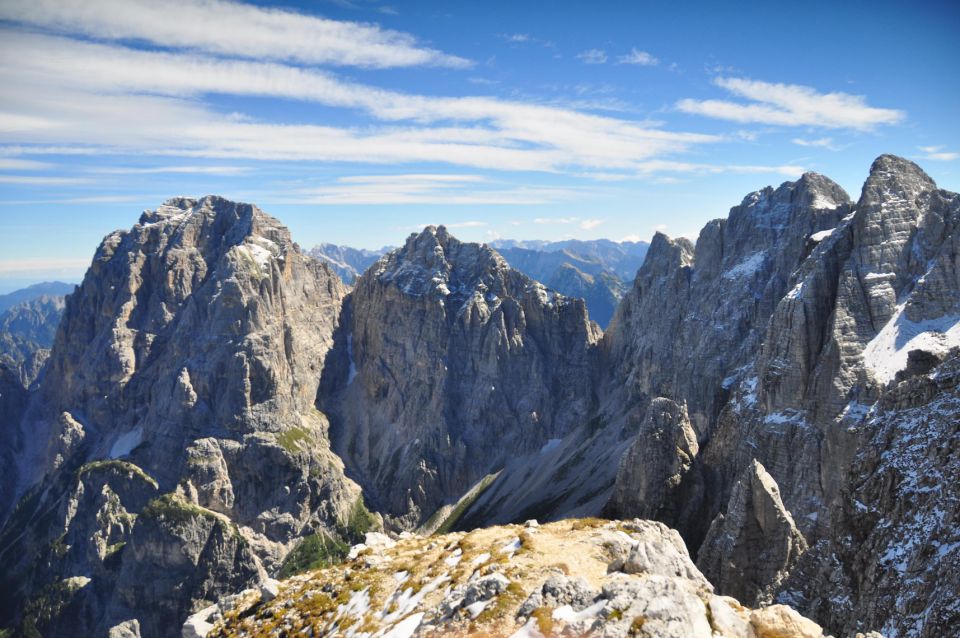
pixel 173 452
pixel 451 363
pixel 754 545
pixel 783 334
pixel 27 331
pixel 869 304
pixel 661 454
pixel 568 578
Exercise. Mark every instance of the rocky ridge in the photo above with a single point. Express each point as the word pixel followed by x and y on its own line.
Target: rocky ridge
pixel 568 578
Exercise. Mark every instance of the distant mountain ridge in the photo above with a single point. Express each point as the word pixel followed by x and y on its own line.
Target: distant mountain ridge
pixel 28 323
pixel 48 288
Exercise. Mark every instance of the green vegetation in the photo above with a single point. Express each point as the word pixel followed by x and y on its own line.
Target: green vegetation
pixel 122 466
pixel 359 523
pixel 544 617
pixel 293 439
pixel 464 504
pixel 313 552
pixel 172 508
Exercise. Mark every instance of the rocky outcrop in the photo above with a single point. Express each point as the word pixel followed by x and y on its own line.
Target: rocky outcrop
pixel 892 559
pixel 568 578
pixel 653 467
pixel 752 547
pixel 191 356
pixel 451 364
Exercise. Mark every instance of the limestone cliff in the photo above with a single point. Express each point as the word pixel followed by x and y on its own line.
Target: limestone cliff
pixel 173 451
pixel 451 364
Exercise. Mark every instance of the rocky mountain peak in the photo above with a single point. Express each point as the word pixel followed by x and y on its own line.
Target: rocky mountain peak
pixel 895 172
pixel 434 262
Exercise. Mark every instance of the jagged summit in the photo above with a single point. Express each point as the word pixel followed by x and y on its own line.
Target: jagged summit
pixel 435 263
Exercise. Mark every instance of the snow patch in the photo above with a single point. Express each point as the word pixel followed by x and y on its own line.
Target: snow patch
pixel 511 547
pixel 746 267
pixel 550 445
pixel 823 234
pixel 260 254
pixel 821 202
pixel 886 354
pixel 477 608
pixel 530 630
pixel 406 627
pixel 126 443
pixel 566 613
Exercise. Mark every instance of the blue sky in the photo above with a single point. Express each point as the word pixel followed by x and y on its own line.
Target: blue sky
pixel 357 122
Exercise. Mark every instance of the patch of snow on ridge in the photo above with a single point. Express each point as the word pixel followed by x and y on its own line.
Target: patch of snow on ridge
pixel 550 445
pixel 530 630
pixel 823 234
pixel 746 267
pixel 406 627
pixel 821 202
pixel 886 354
pixel 126 443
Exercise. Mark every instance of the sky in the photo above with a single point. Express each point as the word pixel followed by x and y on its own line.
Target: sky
pixel 358 122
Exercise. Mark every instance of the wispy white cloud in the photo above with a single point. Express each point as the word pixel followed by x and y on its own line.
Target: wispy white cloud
pixel 516 37
pixel 638 57
pixel 823 142
pixel 14 164
pixel 665 166
pixel 188 170
pixel 791 105
pixel 467 224
pixel 590 224
pixel 543 221
pixel 30 267
pixel 937 154
pixel 447 189
pixel 592 56
pixel 231 28
pixel 41 180
pixel 79 93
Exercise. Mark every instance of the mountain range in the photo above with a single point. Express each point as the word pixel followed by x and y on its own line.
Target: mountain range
pixel 219 409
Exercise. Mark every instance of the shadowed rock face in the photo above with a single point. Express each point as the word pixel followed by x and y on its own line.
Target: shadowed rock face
pixel 176 423
pixel 452 363
pixel 753 546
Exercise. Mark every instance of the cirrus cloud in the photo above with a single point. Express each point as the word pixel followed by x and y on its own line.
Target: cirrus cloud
pixel 791 105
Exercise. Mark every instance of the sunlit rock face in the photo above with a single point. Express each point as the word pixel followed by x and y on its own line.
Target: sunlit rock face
pixel 451 364
pixel 173 451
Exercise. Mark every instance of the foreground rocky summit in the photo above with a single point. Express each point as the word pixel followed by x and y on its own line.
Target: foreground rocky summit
pixel 575 577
